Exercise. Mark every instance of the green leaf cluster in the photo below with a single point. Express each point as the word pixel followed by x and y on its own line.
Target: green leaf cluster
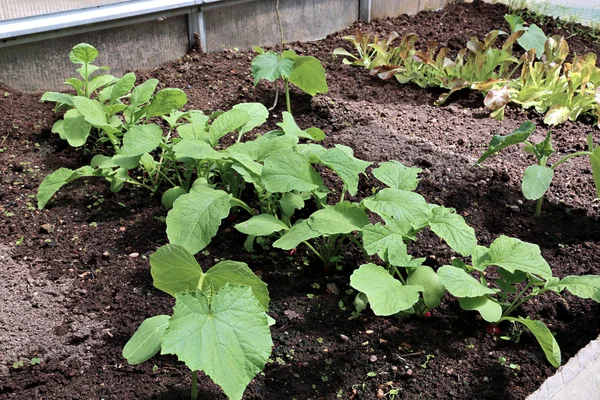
pixel 219 325
pixel 305 72
pixel 537 178
pixel 561 90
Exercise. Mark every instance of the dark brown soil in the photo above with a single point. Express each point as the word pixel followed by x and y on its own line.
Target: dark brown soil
pixel 76 279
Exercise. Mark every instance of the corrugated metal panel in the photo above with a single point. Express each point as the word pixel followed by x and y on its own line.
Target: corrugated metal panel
pixel 10 9
pixel 255 23
pixel 394 8
pixel 44 65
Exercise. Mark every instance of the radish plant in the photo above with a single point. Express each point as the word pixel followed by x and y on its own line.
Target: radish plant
pixel 219 323
pixel 523 275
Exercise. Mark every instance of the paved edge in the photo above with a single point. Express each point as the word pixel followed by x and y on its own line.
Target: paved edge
pixel 572 376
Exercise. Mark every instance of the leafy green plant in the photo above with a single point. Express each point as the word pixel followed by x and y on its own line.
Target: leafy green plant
pixel 522 275
pixel 563 91
pixel 219 323
pixel 537 178
pixel 403 285
pixel 306 72
pixel 533 38
pixel 181 160
pixel 105 107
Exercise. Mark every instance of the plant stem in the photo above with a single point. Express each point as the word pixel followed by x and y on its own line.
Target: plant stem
pixel 240 203
pixel 194 394
pixel 326 262
pixel 398 274
pixel 538 206
pixel 287 95
pixel 565 158
pixel 516 303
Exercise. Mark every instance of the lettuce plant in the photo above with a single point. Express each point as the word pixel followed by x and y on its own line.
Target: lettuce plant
pixel 560 90
pixel 306 72
pixel 219 323
pixel 522 275
pixel 537 178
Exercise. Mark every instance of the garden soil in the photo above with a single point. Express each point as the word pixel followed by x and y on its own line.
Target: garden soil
pixel 75 279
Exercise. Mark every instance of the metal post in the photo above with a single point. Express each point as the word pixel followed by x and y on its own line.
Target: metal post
pixel 364 12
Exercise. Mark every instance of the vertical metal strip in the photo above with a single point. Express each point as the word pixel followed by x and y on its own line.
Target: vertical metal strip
pixel 364 12
pixel 202 30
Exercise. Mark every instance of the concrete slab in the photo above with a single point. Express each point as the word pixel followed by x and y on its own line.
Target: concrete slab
pixel 578 379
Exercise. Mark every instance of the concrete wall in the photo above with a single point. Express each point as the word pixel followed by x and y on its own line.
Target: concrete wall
pixel 44 65
pixel 255 23
pixel 394 8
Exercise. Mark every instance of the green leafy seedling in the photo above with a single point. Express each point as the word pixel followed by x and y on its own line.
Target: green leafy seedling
pixel 306 72
pixel 537 178
pixel 524 274
pixel 219 324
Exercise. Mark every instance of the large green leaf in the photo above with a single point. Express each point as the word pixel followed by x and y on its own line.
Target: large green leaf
pixel 515 255
pixel 271 66
pixel 396 175
pixel 195 217
pixel 75 128
pixel 83 53
pixel 299 233
pixel 174 269
pixel 236 272
pixel 387 295
pixel 409 209
pixel 452 227
pixel 460 284
pixel 536 181
pixel 584 286
pixel 489 309
pixel 59 178
pixel 257 112
pixel 147 340
pixel 433 290
pixel 289 127
pixel 290 202
pixel 62 100
pixel 341 160
pixel 286 171
pixel 544 338
pixel 309 75
pixel 122 87
pixel 533 38
pixel 228 338
pixel 142 93
pixel 92 110
pixel 142 139
pixel 98 82
pixel 196 149
pixel 166 101
pixel 387 242
pixel 226 123
pixel 261 225
pixel 500 142
pixel 263 146
pixel 126 161
pixel 344 217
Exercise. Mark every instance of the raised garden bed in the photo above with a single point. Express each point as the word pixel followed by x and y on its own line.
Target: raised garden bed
pixel 75 276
